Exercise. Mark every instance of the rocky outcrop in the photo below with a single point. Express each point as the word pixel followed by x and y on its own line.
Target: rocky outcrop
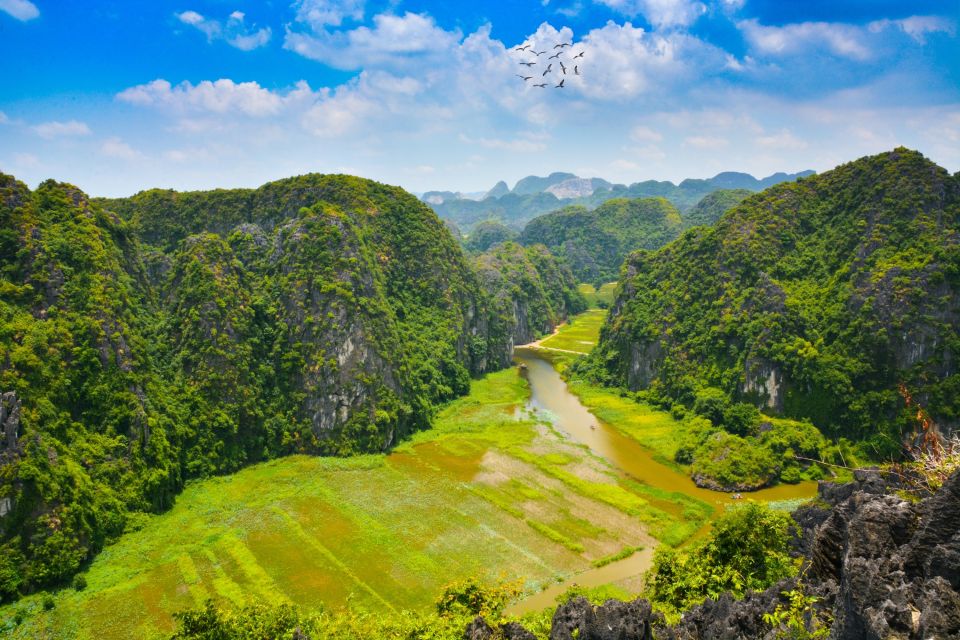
pixel 613 620
pixel 878 564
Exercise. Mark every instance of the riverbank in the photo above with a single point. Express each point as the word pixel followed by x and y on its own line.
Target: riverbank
pixel 492 491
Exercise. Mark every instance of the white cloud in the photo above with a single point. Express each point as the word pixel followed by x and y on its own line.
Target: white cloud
pixel 341 114
pixel 840 39
pixel 56 129
pixel 706 142
pixel 641 133
pixel 322 13
pixel 234 31
pixel 3 118
pixel 917 27
pixel 394 41
pixel 22 10
pixel 660 13
pixel 623 61
pixel 220 96
pixel 117 148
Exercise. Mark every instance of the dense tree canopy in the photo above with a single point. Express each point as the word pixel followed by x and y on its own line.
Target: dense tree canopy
pixel 149 340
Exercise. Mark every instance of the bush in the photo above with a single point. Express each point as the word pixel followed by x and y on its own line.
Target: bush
pixel 79 582
pixel 747 550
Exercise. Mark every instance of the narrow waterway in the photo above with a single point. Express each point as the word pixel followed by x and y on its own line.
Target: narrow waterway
pixel 550 396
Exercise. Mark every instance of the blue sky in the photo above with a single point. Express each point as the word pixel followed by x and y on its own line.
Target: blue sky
pixel 121 96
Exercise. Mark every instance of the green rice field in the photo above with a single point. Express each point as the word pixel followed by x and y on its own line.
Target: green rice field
pixel 490 492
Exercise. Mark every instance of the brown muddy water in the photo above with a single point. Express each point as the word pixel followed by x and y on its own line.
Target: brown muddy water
pixel 550 397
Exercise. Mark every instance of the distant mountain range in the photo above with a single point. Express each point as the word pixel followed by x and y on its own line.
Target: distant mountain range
pixel 535 195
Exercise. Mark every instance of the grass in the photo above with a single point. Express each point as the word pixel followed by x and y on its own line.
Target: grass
pixel 597 297
pixel 580 334
pixel 488 492
pixel 626 552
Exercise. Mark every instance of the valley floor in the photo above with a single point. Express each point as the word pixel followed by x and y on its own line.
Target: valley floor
pixel 494 491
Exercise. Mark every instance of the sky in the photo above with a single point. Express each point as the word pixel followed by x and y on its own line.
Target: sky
pixel 121 96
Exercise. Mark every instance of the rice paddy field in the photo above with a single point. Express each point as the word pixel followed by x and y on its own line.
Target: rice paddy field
pixel 492 492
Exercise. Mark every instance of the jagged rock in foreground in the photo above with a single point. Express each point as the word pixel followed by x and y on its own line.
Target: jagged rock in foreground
pixel 880 566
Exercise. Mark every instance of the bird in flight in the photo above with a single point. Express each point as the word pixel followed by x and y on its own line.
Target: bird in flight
pixel 576 70
pixel 559 53
pixel 524 47
pixel 562 45
pixel 529 64
pixel 563 68
pixel 560 86
pixel 549 69
pixel 525 78
pixel 579 55
pixel 541 85
pixel 539 53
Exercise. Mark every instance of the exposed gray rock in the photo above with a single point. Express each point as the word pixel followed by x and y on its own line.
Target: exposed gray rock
pixel 613 620
pixel 880 567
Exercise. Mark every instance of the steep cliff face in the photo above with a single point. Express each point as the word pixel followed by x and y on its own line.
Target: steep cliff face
pixel 148 340
pixel 813 299
pixel 531 291
pixel 595 242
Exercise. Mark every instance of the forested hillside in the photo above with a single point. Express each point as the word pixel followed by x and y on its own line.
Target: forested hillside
pixel 534 196
pixel 595 242
pixel 834 298
pixel 531 291
pixel 487 234
pixel 713 205
pixel 149 340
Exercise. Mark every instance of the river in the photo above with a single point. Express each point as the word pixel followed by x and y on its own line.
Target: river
pixel 550 396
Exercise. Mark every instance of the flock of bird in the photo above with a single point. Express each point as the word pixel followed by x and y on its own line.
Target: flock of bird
pixel 559 51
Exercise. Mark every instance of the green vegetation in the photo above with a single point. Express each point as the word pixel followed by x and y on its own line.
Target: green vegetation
pixel 151 340
pixel 530 290
pixel 747 549
pixel 487 492
pixel 602 297
pixel 487 234
pixel 530 199
pixel 713 205
pixel 595 242
pixel 813 300
pixel 580 335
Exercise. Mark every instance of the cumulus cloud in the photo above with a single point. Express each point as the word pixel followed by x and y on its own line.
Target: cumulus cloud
pixel 626 61
pixel 233 31
pixel 917 27
pixel 660 13
pixel 840 39
pixel 319 14
pixel 393 41
pixel 22 10
pixel 219 96
pixel 56 129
